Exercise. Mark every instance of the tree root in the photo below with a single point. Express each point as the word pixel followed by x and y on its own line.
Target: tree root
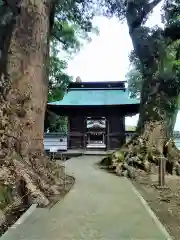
pixel 142 153
pixel 29 176
pixel 29 185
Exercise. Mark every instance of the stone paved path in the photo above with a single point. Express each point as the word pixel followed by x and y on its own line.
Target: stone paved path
pixel 100 206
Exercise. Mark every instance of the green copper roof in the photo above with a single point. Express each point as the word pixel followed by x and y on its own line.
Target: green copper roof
pixel 89 97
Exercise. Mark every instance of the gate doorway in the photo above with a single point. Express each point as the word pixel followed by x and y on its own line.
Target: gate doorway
pixel 96 131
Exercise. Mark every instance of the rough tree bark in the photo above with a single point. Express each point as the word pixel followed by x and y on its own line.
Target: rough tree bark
pixel 159 102
pixel 24 48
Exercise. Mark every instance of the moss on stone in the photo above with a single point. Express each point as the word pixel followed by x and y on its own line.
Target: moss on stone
pixel 121 157
pixel 107 161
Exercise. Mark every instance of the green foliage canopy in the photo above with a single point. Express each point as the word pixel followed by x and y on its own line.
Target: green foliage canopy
pixel 71 27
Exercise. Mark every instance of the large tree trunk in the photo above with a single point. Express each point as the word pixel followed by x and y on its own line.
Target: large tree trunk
pixel 159 101
pixel 25 170
pixel 158 107
pixel 27 69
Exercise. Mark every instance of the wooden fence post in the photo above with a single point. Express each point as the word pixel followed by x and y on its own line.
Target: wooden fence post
pixel 162 171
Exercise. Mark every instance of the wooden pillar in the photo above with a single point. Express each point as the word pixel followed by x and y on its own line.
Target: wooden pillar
pixel 84 134
pixel 115 131
pixel 123 137
pixel 76 131
pixel 107 133
pixel 68 131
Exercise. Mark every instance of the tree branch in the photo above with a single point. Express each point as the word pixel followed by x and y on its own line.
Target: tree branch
pixel 58 38
pixel 139 16
pixel 149 7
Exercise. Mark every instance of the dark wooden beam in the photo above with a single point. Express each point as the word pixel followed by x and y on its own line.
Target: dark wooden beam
pixel 95 111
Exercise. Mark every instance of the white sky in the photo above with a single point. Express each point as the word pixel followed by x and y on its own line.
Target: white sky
pixel 105 58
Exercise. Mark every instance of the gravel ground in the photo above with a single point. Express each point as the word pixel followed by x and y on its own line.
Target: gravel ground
pixel 164 202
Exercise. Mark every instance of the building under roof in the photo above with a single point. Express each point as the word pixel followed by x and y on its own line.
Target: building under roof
pixel 92 101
